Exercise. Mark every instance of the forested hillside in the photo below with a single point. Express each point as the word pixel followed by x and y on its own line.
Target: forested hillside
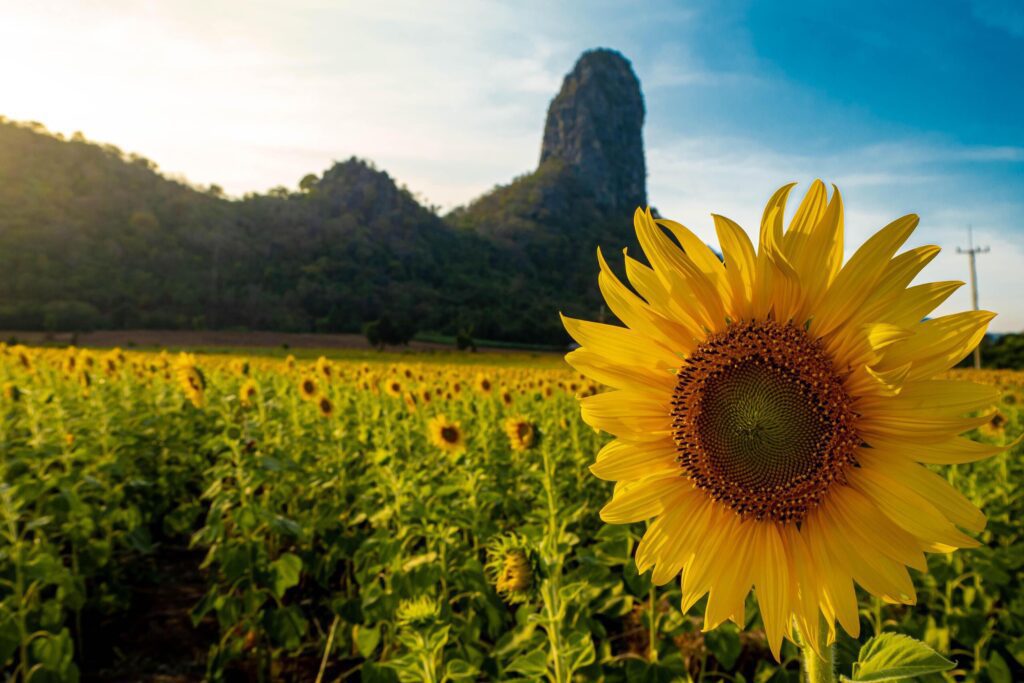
pixel 92 237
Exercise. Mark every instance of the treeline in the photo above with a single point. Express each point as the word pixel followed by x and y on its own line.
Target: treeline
pixel 93 238
pixel 1001 352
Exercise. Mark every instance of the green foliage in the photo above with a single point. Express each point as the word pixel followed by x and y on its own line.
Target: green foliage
pixel 386 332
pixel 896 657
pixel 1003 352
pixel 352 539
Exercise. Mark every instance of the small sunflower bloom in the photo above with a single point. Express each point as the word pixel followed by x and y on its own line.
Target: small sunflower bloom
pixel 191 379
pixel 995 427
pixel 445 434
pixel 483 384
pixel 421 611
pixel 513 568
pixel 774 410
pixel 393 387
pixel 324 406
pixel 248 392
pixel 308 388
pixel 324 368
pixel 522 434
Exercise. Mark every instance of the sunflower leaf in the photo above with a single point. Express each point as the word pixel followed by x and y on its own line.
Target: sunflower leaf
pixel 895 657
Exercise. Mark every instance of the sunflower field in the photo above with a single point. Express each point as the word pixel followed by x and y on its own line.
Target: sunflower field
pixel 229 517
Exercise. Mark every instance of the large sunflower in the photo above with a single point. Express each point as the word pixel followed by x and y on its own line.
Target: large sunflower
pixel 773 410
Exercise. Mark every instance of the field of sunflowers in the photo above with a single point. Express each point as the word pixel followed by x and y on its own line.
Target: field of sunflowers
pixel 182 517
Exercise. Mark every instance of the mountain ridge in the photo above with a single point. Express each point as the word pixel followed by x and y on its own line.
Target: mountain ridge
pixel 92 237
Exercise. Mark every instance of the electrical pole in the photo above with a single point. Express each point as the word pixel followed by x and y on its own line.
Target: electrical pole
pixel 971 252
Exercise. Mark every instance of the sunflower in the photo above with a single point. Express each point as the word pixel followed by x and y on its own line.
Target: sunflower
pixel 995 426
pixel 248 392
pixel 323 367
pixel 483 384
pixel 420 611
pixel 393 387
pixel 445 434
pixel 513 567
pixel 325 406
pixel 521 433
pixel 70 361
pixel 11 392
pixel 23 359
pixel 308 389
pixel 84 380
pixel 191 379
pixel 773 412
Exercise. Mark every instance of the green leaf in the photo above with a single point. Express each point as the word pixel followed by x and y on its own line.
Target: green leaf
pixel 533 665
pixel 366 639
pixel 418 560
pixel 460 670
pixel 286 626
pixel 1017 650
pixel 286 571
pixel 377 673
pixel 894 657
pixel 724 644
pixel 998 669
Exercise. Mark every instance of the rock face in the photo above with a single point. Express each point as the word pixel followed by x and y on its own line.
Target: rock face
pixel 594 126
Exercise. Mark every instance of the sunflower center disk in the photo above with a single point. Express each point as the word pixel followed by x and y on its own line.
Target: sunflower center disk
pixel 762 421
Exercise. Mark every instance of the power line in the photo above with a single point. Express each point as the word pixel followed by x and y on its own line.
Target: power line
pixel 971 252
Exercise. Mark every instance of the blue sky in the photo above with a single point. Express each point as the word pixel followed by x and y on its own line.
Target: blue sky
pixel 907 107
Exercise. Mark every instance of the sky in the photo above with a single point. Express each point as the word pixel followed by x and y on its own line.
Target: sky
pixel 913 107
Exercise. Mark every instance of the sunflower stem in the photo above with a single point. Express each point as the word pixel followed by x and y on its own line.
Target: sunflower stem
pixel 816 669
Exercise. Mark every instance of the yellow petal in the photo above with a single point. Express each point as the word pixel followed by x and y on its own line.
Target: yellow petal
pixel 637 315
pixel 640 416
pixel 915 303
pixel 739 257
pixel 729 590
pixel 933 488
pixel 814 241
pixel 935 397
pixel 938 344
pixel 680 274
pixel 910 511
pixel 953 451
pixel 772 586
pixel 855 281
pixel 622 460
pixel 670 542
pixel 640 500
pixel 678 309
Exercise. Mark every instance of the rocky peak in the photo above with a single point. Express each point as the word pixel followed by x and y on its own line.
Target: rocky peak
pixel 594 126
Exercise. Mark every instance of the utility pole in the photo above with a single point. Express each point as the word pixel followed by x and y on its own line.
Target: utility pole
pixel 971 252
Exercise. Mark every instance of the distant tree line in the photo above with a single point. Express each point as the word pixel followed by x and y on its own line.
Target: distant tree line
pixel 1000 352
pixel 93 238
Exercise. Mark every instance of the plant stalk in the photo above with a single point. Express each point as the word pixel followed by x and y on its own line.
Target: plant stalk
pixel 816 669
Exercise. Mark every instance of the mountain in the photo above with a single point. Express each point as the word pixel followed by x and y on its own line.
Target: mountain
pixel 92 237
